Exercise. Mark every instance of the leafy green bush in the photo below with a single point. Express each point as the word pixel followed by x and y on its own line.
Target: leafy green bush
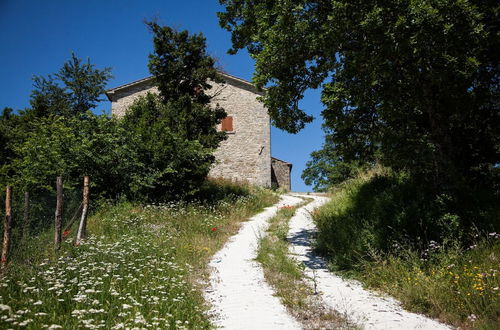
pixel 382 211
pixel 74 147
pixel 175 166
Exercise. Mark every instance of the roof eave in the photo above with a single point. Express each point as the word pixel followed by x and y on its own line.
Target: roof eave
pixel 113 90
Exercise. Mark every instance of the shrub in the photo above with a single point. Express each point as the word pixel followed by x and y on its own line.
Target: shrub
pixel 382 211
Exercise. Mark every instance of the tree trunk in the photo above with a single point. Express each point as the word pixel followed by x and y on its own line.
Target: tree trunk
pixel 26 216
pixel 85 205
pixel 58 219
pixel 7 227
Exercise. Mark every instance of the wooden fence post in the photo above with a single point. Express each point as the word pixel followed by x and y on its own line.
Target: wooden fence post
pixel 58 220
pixel 26 216
pixel 85 206
pixel 7 227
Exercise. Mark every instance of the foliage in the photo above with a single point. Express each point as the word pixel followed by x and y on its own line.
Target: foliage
pixel 177 129
pixel 412 83
pixel 74 90
pixel 327 167
pixel 183 72
pixel 5 137
pixel 141 267
pixel 70 147
pixel 59 135
pixel 460 286
pixel 74 147
pixel 174 165
pixel 377 211
pixel 47 152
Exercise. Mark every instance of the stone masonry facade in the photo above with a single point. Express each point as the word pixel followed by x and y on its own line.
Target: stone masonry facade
pixel 281 174
pixel 246 154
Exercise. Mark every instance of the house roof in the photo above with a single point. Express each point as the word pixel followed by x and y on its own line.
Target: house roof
pixel 148 81
pixel 281 161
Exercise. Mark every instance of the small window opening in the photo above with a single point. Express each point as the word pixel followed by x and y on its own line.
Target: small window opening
pixel 227 124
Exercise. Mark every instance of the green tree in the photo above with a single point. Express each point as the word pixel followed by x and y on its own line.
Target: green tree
pixel 412 83
pixel 5 152
pixel 74 90
pixel 327 167
pixel 98 146
pixel 13 128
pixel 60 135
pixel 177 129
pixel 184 72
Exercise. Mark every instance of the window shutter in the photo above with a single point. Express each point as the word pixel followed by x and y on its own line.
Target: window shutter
pixel 227 124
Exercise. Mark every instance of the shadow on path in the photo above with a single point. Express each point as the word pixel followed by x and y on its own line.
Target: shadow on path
pixel 303 238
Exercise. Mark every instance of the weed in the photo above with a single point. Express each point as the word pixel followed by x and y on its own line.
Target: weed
pixel 141 267
pixel 286 276
pixel 382 229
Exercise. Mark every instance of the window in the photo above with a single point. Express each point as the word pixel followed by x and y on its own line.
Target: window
pixel 227 124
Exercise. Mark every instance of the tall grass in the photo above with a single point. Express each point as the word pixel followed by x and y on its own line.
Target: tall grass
pixel 141 267
pixel 385 230
pixel 460 287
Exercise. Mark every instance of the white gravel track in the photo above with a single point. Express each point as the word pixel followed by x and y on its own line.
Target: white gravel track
pixel 362 307
pixel 240 297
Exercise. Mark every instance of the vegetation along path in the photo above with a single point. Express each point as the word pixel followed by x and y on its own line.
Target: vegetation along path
pixel 348 297
pixel 240 297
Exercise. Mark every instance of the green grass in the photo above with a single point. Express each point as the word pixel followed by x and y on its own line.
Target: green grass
pixel 286 276
pixel 377 229
pixel 458 287
pixel 141 267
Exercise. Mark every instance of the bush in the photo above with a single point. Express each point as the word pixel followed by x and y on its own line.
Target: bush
pixel 96 146
pixel 175 166
pixel 382 211
pixel 427 250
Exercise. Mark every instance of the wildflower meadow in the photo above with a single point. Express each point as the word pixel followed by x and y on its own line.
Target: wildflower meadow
pixel 142 267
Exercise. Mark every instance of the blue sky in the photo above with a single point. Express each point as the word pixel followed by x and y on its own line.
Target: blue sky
pixel 37 37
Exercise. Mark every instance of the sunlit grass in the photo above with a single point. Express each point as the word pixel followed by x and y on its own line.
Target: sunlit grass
pixel 459 287
pixel 142 267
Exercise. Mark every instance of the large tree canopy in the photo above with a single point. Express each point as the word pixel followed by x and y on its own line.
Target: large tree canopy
pixel 413 84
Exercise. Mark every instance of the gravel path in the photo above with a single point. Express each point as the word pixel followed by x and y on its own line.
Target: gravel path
pixel 240 297
pixel 348 297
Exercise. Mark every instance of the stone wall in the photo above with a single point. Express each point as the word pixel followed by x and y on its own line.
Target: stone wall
pixel 122 98
pixel 281 174
pixel 246 154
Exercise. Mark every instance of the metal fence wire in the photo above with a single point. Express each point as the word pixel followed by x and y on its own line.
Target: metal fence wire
pixel 33 217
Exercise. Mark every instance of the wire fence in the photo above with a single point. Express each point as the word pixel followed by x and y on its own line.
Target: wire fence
pixel 41 217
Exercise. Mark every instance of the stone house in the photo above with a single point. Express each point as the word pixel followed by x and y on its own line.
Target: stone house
pixel 246 154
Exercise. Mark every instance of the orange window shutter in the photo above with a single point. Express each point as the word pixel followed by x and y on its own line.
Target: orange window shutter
pixel 227 124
